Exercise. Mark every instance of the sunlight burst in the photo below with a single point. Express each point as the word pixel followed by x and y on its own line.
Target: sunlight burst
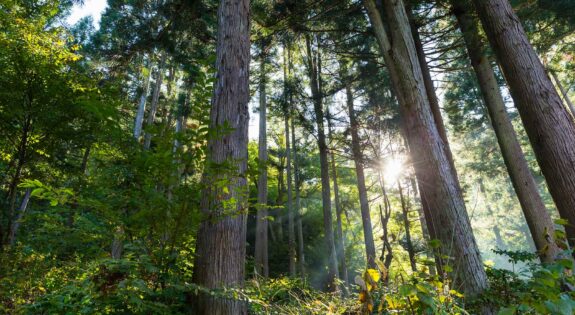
pixel 393 168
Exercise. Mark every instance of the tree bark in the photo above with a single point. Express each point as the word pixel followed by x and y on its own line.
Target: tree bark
pixel 155 98
pixel 221 238
pixel 314 69
pixel 550 127
pixel 261 250
pixel 539 221
pixel 428 154
pixel 362 190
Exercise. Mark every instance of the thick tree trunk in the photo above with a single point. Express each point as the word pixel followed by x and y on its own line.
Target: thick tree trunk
pixel 297 210
pixel 362 190
pixel 538 219
pixel 141 108
pixel 221 238
pixel 314 69
pixel 261 250
pixel 432 166
pixel 155 98
pixel 340 236
pixel 550 127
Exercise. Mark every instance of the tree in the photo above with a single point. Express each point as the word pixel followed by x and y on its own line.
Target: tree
pixel 314 72
pixel 539 221
pixel 549 125
pixel 220 245
pixel 433 170
pixel 261 252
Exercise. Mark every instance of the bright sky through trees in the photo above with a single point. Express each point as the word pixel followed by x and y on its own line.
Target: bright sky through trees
pixel 90 7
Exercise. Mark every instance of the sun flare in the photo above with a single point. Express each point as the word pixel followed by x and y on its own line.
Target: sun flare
pixel 393 168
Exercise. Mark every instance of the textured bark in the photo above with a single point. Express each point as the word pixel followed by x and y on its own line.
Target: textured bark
pixel 550 127
pixel 221 238
pixel 539 221
pixel 21 211
pixel 289 202
pixel 141 108
pixel 439 184
pixel 314 69
pixel 340 236
pixel 261 250
pixel 155 98
pixel 362 190
pixel 297 210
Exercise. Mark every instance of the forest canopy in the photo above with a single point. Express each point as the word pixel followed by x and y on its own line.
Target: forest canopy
pixel 287 157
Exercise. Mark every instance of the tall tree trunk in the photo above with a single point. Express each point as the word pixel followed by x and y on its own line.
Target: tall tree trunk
pixel 297 210
pixel 439 184
pixel 289 202
pixel 261 250
pixel 141 107
pixel 407 226
pixel 430 89
pixel 362 190
pixel 340 236
pixel 155 98
pixel 538 219
pixel 550 127
pixel 221 238
pixel 563 92
pixel 314 69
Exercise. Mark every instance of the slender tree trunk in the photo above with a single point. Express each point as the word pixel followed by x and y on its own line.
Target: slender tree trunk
pixel 430 89
pixel 22 156
pixel 340 236
pixel 221 238
pixel 407 226
pixel 297 210
pixel 563 92
pixel 550 127
pixel 155 98
pixel 314 69
pixel 538 219
pixel 141 107
pixel 424 226
pixel 289 203
pixel 21 211
pixel 362 190
pixel 279 213
pixel 261 250
pixel 439 185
